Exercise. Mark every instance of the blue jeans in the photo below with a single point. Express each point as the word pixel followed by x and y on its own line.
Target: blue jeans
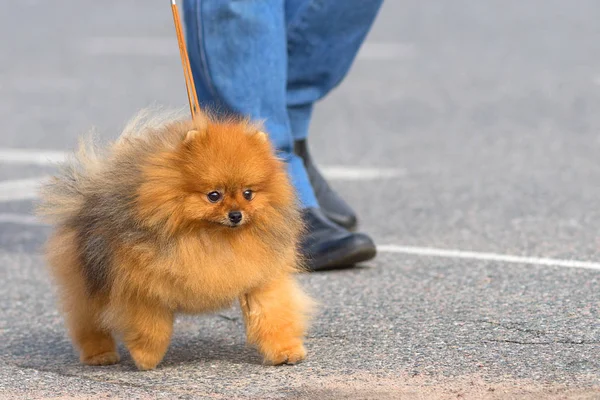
pixel 272 60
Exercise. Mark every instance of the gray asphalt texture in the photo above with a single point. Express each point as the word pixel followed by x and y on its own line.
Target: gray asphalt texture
pixel 491 110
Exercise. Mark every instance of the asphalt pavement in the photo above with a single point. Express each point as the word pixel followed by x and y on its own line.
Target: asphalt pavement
pixel 466 134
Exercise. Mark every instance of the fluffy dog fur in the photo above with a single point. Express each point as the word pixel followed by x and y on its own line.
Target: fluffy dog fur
pixel 137 239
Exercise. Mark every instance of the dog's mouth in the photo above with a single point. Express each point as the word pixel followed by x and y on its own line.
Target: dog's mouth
pixel 235 224
pixel 232 225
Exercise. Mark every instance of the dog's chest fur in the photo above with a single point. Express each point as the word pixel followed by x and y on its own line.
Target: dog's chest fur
pixel 208 271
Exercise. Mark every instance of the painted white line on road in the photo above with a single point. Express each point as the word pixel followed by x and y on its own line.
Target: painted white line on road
pixel 25 219
pixel 375 51
pixel 162 46
pixel 31 156
pixel 20 219
pixel 26 189
pixel 21 189
pixel 341 173
pixel 473 255
pixel 334 172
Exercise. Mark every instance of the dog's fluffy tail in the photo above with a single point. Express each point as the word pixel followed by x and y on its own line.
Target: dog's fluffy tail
pixel 63 195
pixel 87 170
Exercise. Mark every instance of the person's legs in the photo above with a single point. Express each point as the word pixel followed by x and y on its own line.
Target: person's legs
pixel 238 55
pixel 323 39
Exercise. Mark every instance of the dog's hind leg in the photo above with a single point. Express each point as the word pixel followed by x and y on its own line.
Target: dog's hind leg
pixel 95 343
pixel 83 310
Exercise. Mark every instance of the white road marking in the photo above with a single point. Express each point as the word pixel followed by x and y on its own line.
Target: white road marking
pixel 166 46
pixel 25 219
pixel 21 189
pixel 374 51
pixel 25 189
pixel 31 156
pixel 334 172
pixel 481 256
pixel 342 173
pixel 20 219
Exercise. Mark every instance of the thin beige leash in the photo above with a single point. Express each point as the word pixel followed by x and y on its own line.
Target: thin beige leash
pixel 185 62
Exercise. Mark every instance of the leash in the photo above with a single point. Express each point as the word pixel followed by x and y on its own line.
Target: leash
pixel 185 63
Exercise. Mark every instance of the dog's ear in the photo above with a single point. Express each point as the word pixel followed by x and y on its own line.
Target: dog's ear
pixel 193 135
pixel 262 136
pixel 256 128
pixel 200 128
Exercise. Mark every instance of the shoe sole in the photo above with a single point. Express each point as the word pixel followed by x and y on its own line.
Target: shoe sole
pixel 343 258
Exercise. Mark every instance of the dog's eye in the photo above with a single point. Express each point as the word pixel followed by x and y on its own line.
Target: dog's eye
pixel 213 197
pixel 248 194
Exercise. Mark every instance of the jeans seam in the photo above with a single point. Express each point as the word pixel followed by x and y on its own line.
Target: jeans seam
pixel 205 70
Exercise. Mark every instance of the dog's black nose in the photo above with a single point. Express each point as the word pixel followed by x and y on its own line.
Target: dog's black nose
pixel 235 216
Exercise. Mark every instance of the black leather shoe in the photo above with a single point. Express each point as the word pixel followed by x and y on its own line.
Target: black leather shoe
pixel 327 245
pixel 333 206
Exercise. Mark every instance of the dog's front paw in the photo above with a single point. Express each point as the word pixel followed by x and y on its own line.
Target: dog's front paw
pixel 106 358
pixel 144 359
pixel 287 354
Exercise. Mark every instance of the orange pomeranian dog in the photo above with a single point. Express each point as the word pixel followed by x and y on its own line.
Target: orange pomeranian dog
pixel 176 217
